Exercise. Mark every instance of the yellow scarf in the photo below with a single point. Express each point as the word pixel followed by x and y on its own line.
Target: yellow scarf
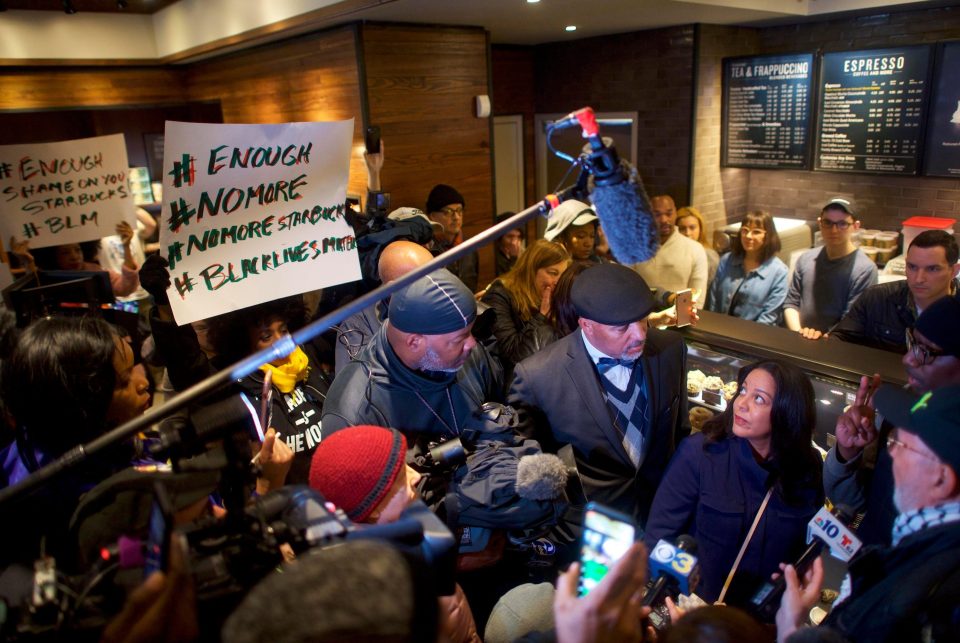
pixel 294 370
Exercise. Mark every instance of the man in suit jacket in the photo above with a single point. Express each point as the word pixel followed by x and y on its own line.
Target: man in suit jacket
pixel 615 390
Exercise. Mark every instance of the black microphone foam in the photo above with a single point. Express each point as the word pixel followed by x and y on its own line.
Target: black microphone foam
pixel 625 216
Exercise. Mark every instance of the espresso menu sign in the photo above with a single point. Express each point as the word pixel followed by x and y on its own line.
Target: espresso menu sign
pixel 871 110
pixel 766 111
pixel 943 127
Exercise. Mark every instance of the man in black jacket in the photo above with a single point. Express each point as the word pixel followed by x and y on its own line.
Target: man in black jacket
pixel 881 314
pixel 422 373
pixel 614 390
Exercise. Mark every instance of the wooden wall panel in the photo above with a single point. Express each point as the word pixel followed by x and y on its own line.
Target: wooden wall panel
pixel 311 78
pixel 51 88
pixel 421 83
pixel 514 93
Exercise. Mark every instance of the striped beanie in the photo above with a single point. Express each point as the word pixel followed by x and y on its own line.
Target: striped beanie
pixel 355 467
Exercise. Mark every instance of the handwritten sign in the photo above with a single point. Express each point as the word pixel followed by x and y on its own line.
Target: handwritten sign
pixel 252 213
pixel 66 192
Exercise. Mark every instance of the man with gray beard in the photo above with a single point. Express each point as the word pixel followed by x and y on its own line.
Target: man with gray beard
pixel 422 373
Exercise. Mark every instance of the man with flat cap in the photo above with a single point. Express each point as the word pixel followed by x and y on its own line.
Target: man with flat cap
pixel 910 590
pixel 615 390
pixel 422 373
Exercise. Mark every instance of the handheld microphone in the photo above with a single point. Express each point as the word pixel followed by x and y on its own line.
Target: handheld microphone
pixel 825 528
pixel 675 569
pixel 618 195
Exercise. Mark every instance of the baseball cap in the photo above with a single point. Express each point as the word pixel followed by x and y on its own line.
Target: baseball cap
pixel 934 417
pixel 567 214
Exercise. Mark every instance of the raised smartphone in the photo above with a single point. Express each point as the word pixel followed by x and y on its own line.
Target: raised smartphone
pixel 683 303
pixel 607 535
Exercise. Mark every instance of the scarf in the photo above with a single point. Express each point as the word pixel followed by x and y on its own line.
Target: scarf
pixel 294 369
pixel 924 518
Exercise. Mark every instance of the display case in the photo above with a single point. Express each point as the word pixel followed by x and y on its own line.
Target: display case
pixel 719 345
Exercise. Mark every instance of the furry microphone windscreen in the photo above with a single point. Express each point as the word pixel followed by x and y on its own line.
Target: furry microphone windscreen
pixel 542 476
pixel 625 216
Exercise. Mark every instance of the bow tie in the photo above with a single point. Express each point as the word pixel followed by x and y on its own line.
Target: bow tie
pixel 604 364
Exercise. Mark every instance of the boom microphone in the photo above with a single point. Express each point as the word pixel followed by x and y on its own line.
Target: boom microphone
pixel 617 195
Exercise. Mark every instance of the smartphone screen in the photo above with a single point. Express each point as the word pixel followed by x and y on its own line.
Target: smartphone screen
pixel 683 303
pixel 607 535
pixel 158 532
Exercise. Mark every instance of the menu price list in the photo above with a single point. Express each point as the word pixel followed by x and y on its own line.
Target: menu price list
pixel 871 110
pixel 766 108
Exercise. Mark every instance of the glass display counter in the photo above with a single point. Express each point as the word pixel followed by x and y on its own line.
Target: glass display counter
pixel 719 345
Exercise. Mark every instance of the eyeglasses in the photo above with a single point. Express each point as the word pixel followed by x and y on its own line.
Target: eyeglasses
pixel 922 353
pixel 893 442
pixel 449 212
pixel 826 224
pixel 752 232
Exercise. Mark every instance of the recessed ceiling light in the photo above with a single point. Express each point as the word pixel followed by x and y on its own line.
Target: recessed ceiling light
pixel 570 28
pixel 532 1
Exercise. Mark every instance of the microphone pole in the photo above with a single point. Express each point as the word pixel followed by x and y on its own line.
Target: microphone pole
pixel 80 453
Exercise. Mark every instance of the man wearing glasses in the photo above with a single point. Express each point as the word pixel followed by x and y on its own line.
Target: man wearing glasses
pixel 827 280
pixel 883 313
pixel 910 589
pixel 932 362
pixel 446 206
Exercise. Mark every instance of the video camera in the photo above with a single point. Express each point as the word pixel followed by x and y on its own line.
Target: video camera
pixel 227 556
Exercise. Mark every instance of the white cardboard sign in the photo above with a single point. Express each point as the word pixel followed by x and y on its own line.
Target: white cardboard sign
pixel 252 213
pixel 65 192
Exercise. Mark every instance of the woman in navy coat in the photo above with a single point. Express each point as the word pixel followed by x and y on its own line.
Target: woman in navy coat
pixel 717 480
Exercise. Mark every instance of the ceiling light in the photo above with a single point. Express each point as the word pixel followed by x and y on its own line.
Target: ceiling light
pixel 532 1
pixel 570 28
pixel 68 7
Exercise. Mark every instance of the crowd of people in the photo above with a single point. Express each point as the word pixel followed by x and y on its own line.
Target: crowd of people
pixel 504 408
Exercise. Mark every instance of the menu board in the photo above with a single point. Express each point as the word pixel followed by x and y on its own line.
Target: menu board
pixel 766 111
pixel 942 145
pixel 872 105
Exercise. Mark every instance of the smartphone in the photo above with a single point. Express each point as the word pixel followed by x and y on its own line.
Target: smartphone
pixel 157 555
pixel 372 139
pixel 607 535
pixel 683 303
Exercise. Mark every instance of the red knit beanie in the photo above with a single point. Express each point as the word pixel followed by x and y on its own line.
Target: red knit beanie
pixel 355 467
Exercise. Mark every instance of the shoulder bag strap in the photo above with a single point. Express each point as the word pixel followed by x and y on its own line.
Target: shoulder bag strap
pixel 743 548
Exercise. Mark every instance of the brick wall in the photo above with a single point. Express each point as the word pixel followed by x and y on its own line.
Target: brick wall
pixel 883 201
pixel 720 194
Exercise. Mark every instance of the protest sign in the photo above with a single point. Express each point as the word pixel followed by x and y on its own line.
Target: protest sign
pixel 252 213
pixel 66 192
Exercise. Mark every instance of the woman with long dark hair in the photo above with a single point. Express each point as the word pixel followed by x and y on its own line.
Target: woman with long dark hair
pixel 751 282
pixel 521 299
pixel 756 458
pixel 69 381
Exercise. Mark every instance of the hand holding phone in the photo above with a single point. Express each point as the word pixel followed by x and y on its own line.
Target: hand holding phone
pixel 371 139
pixel 607 535
pixel 684 302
